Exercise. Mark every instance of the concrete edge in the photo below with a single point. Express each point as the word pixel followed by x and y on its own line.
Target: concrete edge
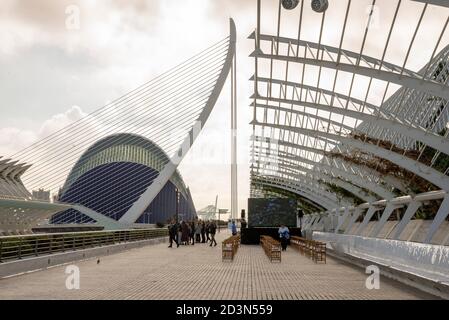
pixel 437 289
pixel 33 264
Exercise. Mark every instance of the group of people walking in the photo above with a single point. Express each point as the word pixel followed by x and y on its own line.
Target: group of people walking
pixel 199 231
pixel 189 232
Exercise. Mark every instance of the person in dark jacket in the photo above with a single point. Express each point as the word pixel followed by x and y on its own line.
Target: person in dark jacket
pixel 212 230
pixel 185 233
pixel 192 232
pixel 179 232
pixel 207 231
pixel 198 231
pixel 172 232
pixel 203 232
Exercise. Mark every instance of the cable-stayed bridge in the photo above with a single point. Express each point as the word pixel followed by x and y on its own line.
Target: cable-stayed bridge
pixel 118 165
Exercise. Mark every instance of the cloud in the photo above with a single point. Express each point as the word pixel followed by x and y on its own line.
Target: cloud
pixel 60 121
pixel 47 14
pixel 14 139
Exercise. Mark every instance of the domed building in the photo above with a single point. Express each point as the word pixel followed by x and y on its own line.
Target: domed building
pixel 111 176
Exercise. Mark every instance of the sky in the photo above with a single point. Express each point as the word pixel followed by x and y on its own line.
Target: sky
pixel 52 74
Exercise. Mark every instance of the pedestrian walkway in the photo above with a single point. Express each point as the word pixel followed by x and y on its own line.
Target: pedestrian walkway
pixel 197 272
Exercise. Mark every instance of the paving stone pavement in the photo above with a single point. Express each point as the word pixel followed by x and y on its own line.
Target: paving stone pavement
pixel 197 272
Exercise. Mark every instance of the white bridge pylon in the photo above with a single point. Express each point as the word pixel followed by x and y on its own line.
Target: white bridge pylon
pixel 169 169
pixel 153 125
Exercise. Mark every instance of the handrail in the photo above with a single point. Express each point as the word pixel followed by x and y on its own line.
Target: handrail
pixel 19 247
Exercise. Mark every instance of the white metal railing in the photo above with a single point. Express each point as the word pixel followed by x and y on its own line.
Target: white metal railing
pixel 343 219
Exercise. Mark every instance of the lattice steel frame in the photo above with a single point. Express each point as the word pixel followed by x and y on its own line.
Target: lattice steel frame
pixel 295 134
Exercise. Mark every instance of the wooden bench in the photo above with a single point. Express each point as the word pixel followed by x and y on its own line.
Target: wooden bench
pixel 296 243
pixel 319 252
pixel 229 248
pixel 271 247
pixel 316 250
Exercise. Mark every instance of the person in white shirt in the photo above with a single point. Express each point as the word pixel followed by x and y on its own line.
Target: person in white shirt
pixel 284 235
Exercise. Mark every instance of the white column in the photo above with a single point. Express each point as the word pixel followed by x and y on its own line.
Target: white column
pixel 442 213
pixel 409 213
pixel 354 217
pixel 369 214
pixel 385 215
pixel 342 220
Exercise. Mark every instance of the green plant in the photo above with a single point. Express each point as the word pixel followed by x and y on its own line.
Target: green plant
pixel 343 193
pixel 160 224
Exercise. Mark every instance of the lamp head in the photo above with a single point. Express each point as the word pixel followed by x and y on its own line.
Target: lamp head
pixel 290 4
pixel 319 5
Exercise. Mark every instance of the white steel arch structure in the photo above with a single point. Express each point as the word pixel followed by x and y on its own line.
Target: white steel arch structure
pixel 169 110
pixel 335 118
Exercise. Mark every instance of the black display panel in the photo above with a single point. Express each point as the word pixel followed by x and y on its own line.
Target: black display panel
pixel 271 212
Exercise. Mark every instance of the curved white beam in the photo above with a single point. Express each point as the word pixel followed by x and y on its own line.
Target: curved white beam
pixel 306 183
pixel 301 113
pixel 318 202
pixel 419 134
pixel 373 186
pixel 296 85
pixel 354 188
pixel 303 185
pixel 364 170
pixel 313 197
pixel 330 49
pixel 430 174
pixel 356 191
pixel 329 178
pixel 431 87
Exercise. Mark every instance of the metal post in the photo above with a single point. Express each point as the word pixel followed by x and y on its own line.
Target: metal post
pixel 234 138
pixel 36 246
pixel 258 23
pixel 20 248
pixel 177 205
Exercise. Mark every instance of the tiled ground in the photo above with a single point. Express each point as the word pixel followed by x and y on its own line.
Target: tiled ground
pixel 197 272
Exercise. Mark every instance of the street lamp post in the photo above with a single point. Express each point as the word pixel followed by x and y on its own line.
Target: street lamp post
pixel 177 204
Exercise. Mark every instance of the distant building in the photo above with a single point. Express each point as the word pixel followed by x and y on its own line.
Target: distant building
pixel 111 176
pixel 11 186
pixel 56 196
pixel 41 195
